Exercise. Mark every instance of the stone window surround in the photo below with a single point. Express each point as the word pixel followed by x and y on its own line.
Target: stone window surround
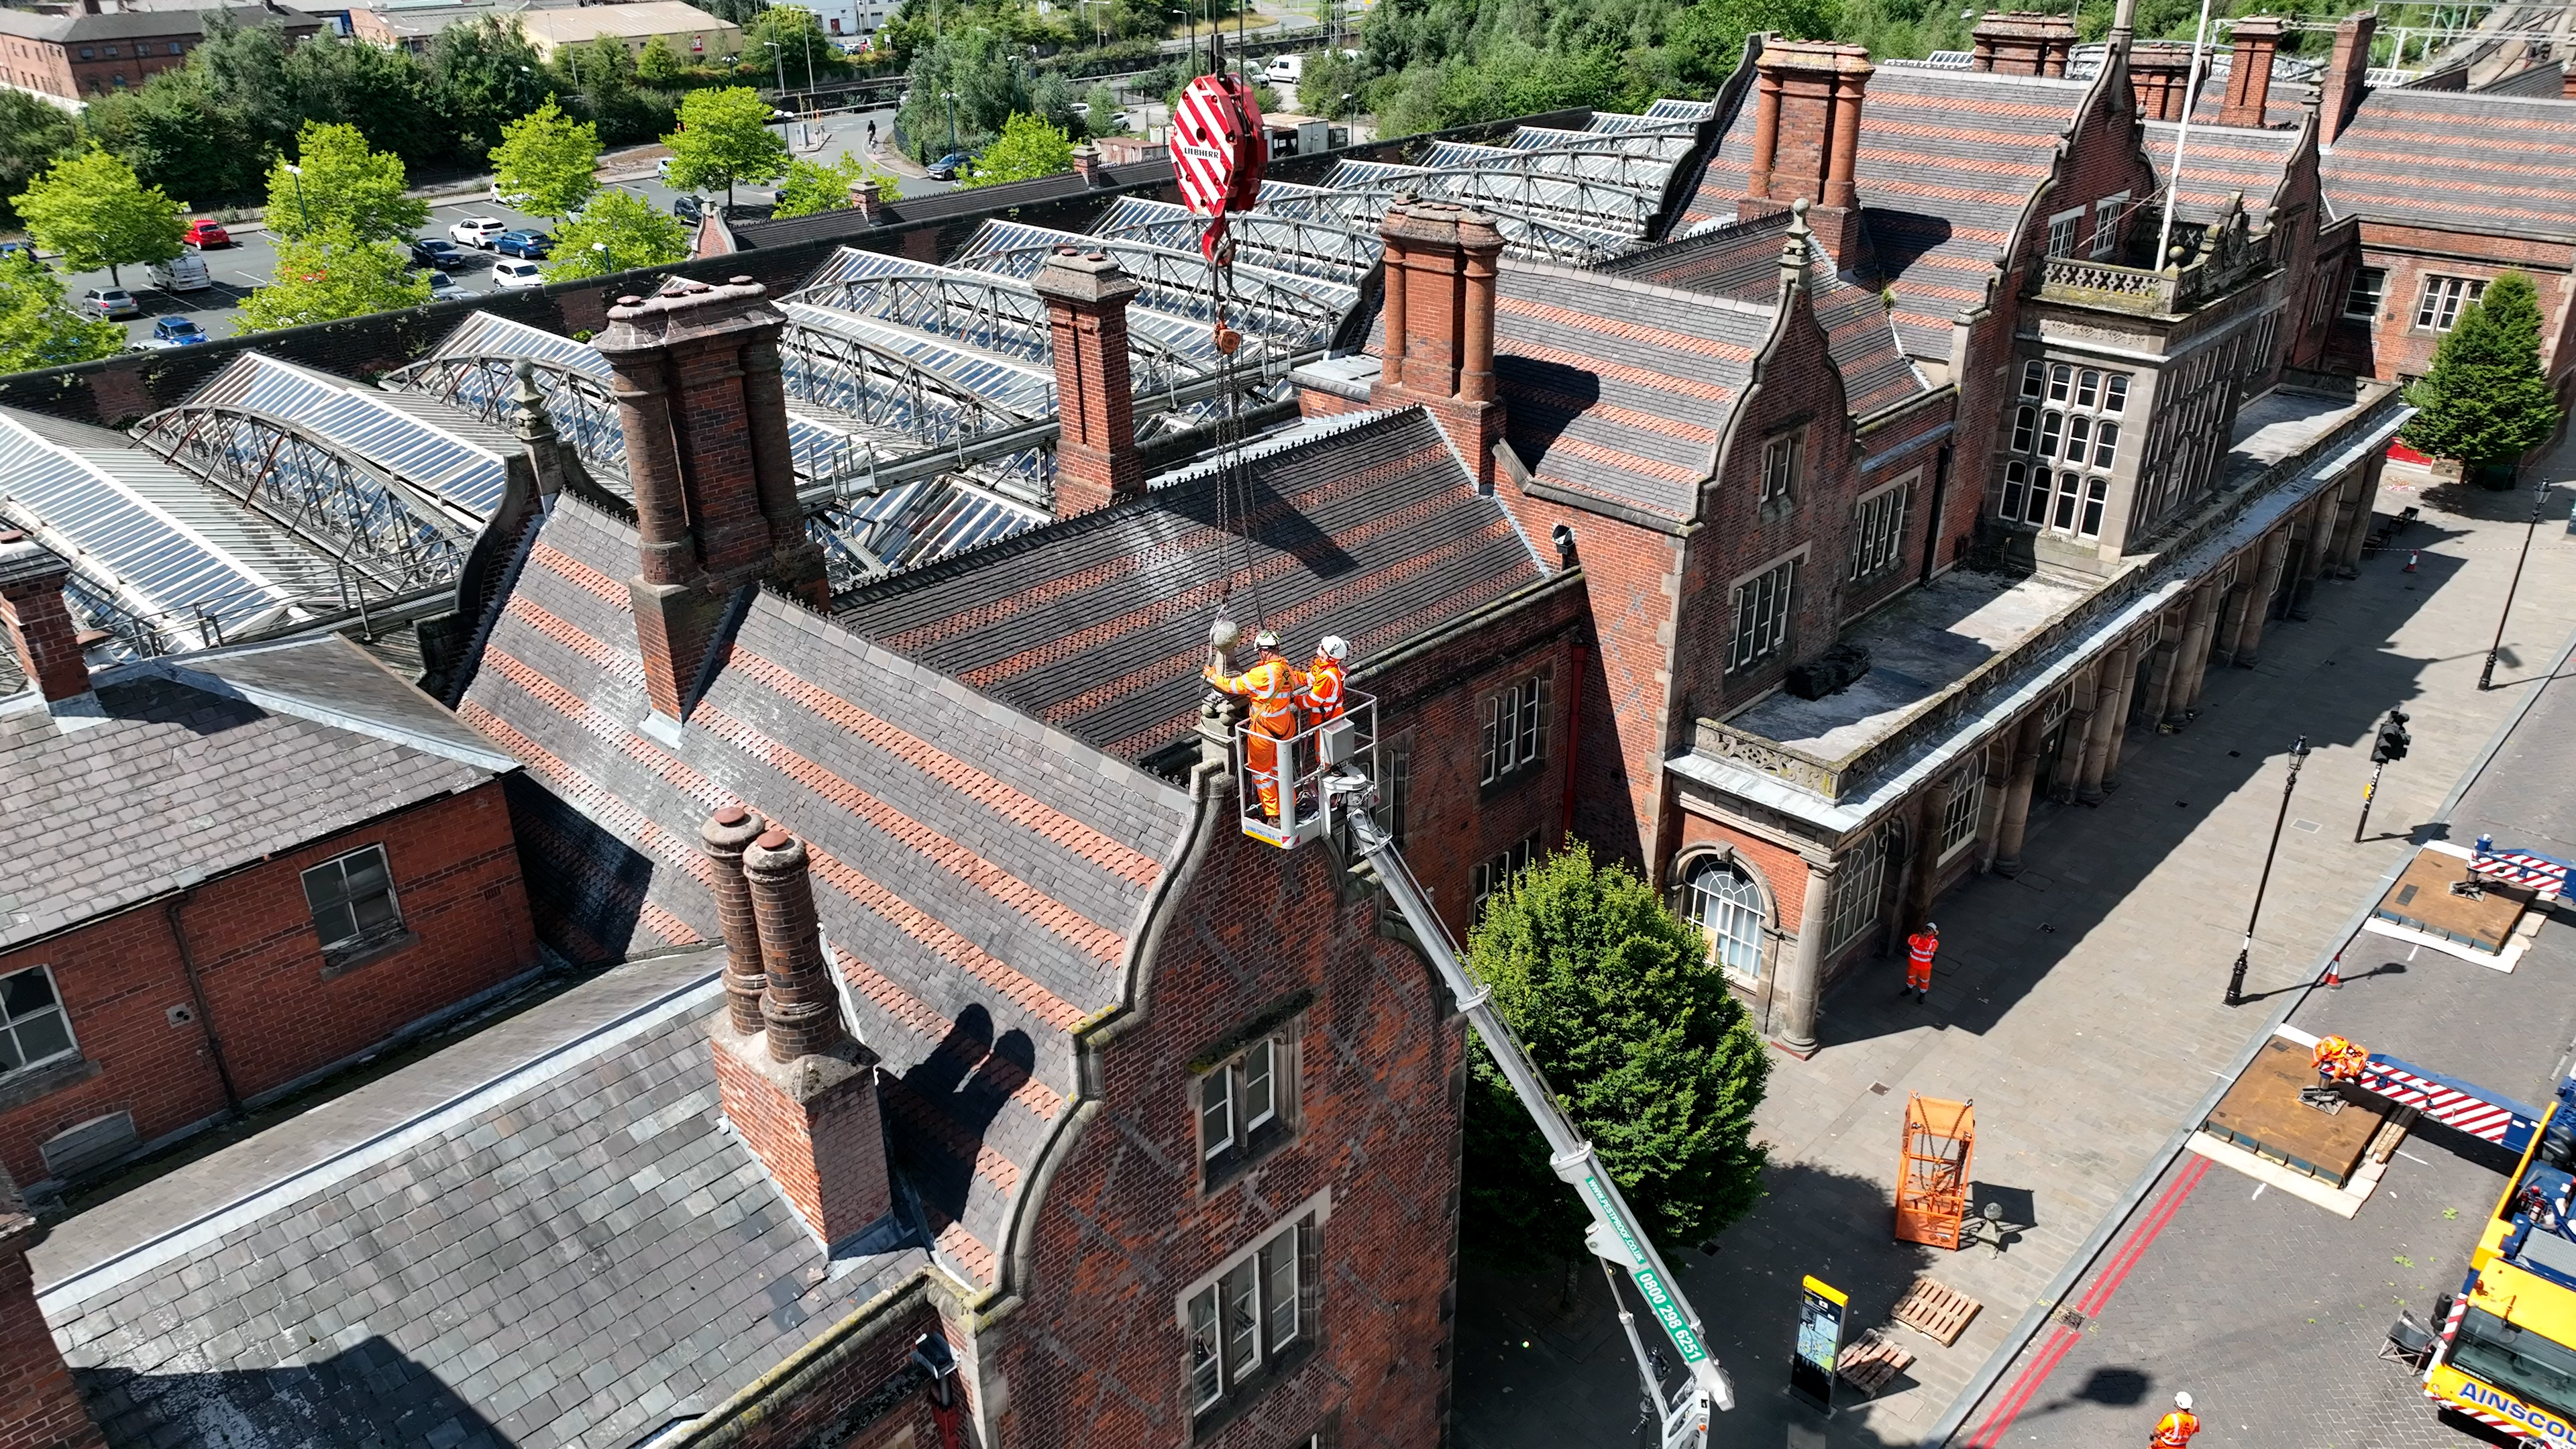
pixel 1797 557
pixel 1895 559
pixel 1689 859
pixel 1317 1211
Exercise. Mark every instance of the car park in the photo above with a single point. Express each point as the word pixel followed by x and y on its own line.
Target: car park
pixel 206 232
pixel 175 332
pixel 186 272
pixel 517 274
pixel 11 249
pixel 477 231
pixel 430 251
pixel 531 244
pixel 514 200
pixel 109 302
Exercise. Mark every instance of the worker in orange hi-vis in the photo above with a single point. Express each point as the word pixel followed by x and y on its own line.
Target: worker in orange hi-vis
pixel 1325 680
pixel 1919 949
pixel 1271 688
pixel 2338 1060
pixel 2174 1430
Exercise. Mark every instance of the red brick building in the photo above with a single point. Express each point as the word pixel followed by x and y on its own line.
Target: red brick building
pixel 231 873
pixel 91 52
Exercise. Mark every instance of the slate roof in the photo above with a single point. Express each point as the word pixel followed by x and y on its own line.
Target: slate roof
pixel 1365 528
pixel 574 1252
pixel 1743 262
pixel 1618 389
pixel 979 876
pixel 208 762
pixel 2475 163
pixel 1948 161
pixel 124 25
pixel 2217 160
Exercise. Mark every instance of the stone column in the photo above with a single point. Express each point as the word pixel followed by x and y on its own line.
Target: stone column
pixel 2311 559
pixel 2128 684
pixel 2016 816
pixel 1927 849
pixel 1801 987
pixel 2163 667
pixel 2258 603
pixel 2104 723
pixel 2365 508
pixel 2195 653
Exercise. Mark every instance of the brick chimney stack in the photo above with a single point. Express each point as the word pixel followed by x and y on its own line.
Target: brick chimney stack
pixel 40 1407
pixel 2249 71
pixel 695 372
pixel 2021 42
pixel 1096 462
pixel 39 623
pixel 1806 138
pixel 1440 265
pixel 800 1090
pixel 724 837
pixel 2160 78
pixel 2347 75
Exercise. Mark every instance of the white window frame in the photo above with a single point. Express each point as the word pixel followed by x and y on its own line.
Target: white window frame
pixel 1487 878
pixel 1204 1305
pixel 1859 888
pixel 333 874
pixel 1773 611
pixel 1514 720
pixel 2377 291
pixel 1234 1100
pixel 2061 232
pixel 2068 443
pixel 1734 923
pixel 1965 812
pixel 11 1020
pixel 1784 458
pixel 1878 528
pixel 2106 223
pixel 2444 298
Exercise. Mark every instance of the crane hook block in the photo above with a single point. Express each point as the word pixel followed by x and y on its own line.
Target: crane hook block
pixel 1218 147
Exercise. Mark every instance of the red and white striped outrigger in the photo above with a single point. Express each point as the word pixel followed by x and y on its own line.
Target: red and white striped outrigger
pixel 2514 866
pixel 2458 1105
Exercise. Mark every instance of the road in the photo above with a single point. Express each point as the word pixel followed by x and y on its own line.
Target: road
pixel 248 263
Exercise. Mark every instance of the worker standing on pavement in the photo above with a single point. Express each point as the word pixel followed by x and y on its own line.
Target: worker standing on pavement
pixel 1325 680
pixel 2174 1430
pixel 1271 688
pixel 1919 949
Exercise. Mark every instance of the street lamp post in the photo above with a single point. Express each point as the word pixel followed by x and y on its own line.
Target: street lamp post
pixel 302 218
pixel 779 56
pixel 2539 504
pixel 606 263
pixel 950 97
pixel 2236 976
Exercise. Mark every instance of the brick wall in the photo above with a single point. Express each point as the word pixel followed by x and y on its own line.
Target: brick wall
pixel 278 1010
pixel 855 1388
pixel 1096 1356
pixel 2408 255
pixel 39 1406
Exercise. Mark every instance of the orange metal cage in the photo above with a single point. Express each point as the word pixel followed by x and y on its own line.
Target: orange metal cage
pixel 1932 1182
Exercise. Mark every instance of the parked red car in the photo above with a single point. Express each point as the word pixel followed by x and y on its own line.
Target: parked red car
pixel 205 232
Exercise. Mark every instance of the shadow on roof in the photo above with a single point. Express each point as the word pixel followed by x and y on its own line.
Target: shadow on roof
pixel 1545 396
pixel 1898 239
pixel 1271 519
pixel 370 1395
pixel 965 1080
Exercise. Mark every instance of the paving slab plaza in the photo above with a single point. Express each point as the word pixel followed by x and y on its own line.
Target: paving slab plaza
pixel 2081 1008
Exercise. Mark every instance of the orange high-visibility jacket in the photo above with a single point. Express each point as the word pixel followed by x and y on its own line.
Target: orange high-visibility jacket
pixel 1920 946
pixel 1272 688
pixel 1324 687
pixel 2174 1430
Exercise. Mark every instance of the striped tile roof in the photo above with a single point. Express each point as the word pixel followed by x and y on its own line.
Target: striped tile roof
pixel 2477 163
pixel 1097 626
pixel 2218 161
pixel 1743 262
pixel 1618 389
pixel 1948 161
pixel 978 875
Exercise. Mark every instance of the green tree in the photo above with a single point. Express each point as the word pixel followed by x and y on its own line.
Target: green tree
pixel 2486 399
pixel 1029 147
pixel 1103 101
pixel 1707 39
pixel 975 65
pixel 485 74
pixel 724 137
pixel 631 230
pixel 659 65
pixel 91 209
pixel 329 274
pixel 37 330
pixel 814 186
pixel 804 49
pixel 33 134
pixel 337 181
pixel 382 90
pixel 1649 1054
pixel 175 135
pixel 1329 77
pixel 548 158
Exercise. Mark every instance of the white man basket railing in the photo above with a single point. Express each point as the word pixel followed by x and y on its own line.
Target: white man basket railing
pixel 1305 807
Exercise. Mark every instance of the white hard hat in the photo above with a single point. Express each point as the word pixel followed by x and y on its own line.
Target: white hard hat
pixel 1334 646
pixel 2183 1402
pixel 1266 639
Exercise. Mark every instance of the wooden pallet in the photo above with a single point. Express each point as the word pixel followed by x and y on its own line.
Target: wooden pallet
pixel 1869 1361
pixel 1938 1313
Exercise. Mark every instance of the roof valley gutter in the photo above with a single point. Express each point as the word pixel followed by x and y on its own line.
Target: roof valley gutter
pixel 2078 1265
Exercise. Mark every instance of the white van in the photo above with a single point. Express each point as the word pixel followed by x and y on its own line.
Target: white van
pixel 185 272
pixel 1286 69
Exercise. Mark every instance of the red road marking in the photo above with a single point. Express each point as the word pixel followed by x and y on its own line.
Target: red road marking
pixel 2062 1340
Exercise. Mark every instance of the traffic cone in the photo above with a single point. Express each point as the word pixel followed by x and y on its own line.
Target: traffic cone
pixel 2411 557
pixel 2334 972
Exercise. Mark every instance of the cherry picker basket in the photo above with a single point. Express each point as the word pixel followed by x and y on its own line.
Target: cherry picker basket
pixel 1305 807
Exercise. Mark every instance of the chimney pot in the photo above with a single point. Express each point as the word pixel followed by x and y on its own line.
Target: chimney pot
pixel 723 839
pixel 732 815
pixel 2021 42
pixel 2249 71
pixel 1440 267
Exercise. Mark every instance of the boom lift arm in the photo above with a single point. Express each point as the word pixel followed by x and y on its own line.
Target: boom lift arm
pixel 1615 1234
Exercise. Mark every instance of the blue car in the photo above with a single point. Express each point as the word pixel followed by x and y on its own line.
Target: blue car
pixel 533 245
pixel 9 249
pixel 176 332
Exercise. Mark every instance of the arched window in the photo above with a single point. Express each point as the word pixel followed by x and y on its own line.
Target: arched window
pixel 1727 905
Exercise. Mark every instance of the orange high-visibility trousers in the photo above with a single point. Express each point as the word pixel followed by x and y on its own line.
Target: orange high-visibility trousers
pixel 1261 754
